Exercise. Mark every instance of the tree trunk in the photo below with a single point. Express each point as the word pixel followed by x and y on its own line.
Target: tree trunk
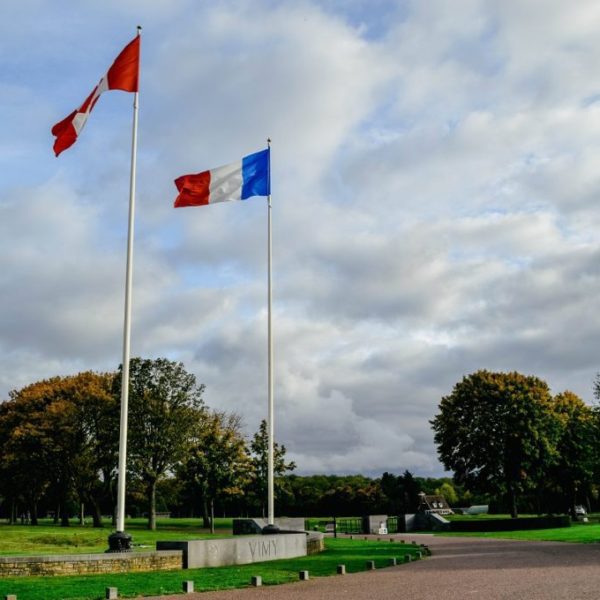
pixel 573 502
pixel 96 514
pixel 56 514
pixel 212 516
pixel 205 515
pixel 64 516
pixel 152 505
pixel 34 516
pixel 512 498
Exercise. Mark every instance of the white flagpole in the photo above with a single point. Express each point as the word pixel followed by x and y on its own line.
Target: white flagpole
pixel 270 461
pixel 124 541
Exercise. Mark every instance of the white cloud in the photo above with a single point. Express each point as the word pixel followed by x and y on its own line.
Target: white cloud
pixel 434 207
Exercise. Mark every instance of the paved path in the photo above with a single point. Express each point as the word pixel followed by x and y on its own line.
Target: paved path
pixel 459 569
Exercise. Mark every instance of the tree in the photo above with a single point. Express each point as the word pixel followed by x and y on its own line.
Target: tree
pixel 447 490
pixel 260 452
pixel 164 400
pixel 217 464
pixel 576 450
pixel 497 432
pixel 50 442
pixel 23 471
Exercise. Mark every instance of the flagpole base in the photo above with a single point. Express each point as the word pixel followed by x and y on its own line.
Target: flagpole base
pixel 270 530
pixel 119 541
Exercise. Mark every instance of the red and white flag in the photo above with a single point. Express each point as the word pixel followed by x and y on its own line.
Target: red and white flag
pixel 122 75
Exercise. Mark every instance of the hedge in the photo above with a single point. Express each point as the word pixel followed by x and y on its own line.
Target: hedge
pixel 547 522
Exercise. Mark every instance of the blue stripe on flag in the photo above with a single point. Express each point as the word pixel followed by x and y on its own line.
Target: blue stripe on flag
pixel 256 174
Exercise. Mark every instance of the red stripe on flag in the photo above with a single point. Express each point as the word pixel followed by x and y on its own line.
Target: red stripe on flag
pixel 122 75
pixel 194 190
pixel 65 134
pixel 124 72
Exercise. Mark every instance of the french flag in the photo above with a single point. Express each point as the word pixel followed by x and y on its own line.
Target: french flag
pixel 237 181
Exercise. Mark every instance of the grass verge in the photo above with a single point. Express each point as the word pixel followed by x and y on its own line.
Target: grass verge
pixel 46 538
pixel 352 553
pixel 585 533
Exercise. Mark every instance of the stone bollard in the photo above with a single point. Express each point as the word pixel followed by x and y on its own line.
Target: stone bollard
pixel 393 562
pixel 341 569
pixel 419 554
pixel 188 587
pixel 10 597
pixel 112 593
pixel 303 575
pixel 256 580
pixel 407 558
pixel 370 565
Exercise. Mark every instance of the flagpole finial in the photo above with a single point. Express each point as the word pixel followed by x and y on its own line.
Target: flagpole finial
pixel 269 141
pixel 139 29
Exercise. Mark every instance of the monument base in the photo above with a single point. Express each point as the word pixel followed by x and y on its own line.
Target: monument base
pixel 119 541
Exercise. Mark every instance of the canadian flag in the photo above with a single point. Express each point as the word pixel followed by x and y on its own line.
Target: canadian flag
pixel 122 75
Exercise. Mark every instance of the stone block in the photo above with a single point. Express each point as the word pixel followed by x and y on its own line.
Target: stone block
pixel 188 587
pixel 407 558
pixel 238 550
pixel 370 565
pixel 10 597
pixel 303 575
pixel 341 569
pixel 393 562
pixel 112 593
pixel 256 580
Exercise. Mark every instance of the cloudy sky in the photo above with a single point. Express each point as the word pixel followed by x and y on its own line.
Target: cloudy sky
pixel 436 205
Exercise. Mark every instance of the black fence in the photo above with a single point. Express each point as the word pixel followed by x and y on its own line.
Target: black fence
pixel 347 525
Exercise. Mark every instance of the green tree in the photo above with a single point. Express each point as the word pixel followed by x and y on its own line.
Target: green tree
pixel 259 447
pixel 576 446
pixel 447 490
pixel 164 400
pixel 217 464
pixel 497 432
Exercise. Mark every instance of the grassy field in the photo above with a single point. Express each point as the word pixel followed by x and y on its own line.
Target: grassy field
pixel 352 553
pixel 47 538
pixel 585 533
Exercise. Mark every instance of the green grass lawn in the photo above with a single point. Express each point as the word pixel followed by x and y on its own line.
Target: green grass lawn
pixel 352 553
pixel 48 538
pixel 578 533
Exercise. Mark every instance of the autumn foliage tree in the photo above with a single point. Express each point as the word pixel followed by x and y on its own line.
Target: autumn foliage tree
pixel 217 465
pixel 51 434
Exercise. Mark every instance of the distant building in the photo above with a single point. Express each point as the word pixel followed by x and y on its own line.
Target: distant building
pixel 434 504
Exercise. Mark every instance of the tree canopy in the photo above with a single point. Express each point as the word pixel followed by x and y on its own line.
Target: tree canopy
pixel 497 432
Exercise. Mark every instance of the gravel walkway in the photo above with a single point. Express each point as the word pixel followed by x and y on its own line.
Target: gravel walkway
pixel 459 569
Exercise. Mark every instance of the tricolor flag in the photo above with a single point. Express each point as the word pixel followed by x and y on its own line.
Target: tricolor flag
pixel 122 75
pixel 238 181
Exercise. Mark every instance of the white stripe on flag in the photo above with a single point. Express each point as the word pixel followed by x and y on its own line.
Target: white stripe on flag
pixel 226 183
